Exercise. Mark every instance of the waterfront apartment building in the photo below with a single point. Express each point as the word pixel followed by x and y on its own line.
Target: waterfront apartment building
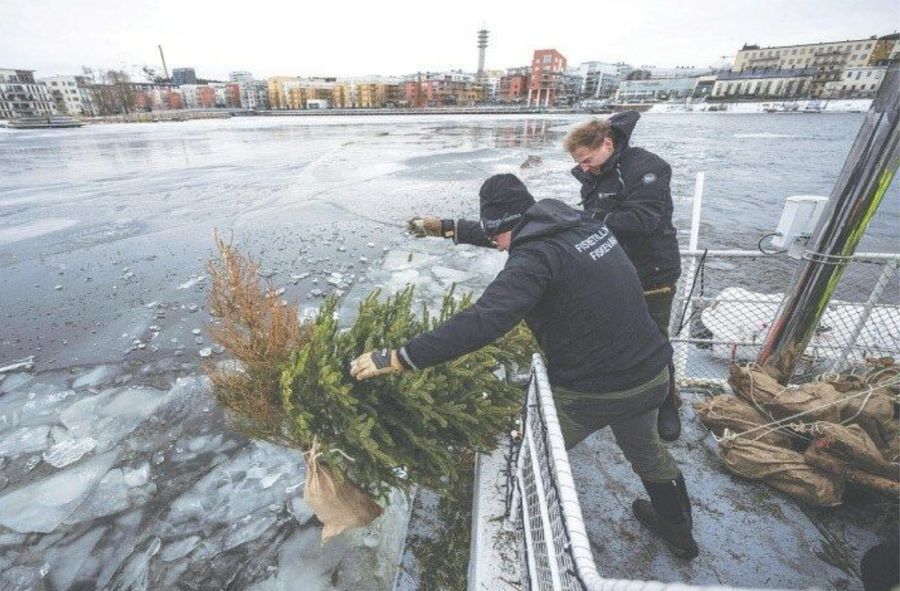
pixel 824 63
pixel 785 83
pixel 856 83
pixel 598 79
pixel 182 76
pixel 70 94
pixel 241 77
pixel 372 92
pixel 547 69
pixel 656 89
pixel 254 95
pixel 514 85
pixel 22 96
pixel 442 89
pixel 286 92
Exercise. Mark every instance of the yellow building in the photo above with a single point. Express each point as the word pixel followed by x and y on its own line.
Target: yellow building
pixel 820 64
pixel 286 92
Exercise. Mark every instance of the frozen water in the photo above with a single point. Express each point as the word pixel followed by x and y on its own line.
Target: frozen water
pixel 94 378
pixel 66 560
pixel 112 414
pixel 68 451
pixel 179 549
pixel 43 505
pixel 448 276
pixel 23 441
pixel 110 497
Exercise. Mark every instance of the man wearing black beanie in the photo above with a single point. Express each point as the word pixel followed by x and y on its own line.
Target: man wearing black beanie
pixel 573 285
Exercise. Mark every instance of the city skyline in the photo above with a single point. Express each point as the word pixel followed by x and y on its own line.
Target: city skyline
pixel 348 40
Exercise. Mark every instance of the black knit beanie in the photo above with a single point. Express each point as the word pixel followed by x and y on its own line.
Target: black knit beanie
pixel 503 201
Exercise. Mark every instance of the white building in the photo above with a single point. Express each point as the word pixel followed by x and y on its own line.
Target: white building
pixel 241 77
pixel 221 93
pixel 189 95
pixel 656 89
pixel 763 84
pixel 254 95
pixel 856 83
pixel 598 79
pixel 21 96
pixel 67 95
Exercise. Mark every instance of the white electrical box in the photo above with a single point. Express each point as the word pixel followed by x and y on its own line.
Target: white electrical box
pixel 798 220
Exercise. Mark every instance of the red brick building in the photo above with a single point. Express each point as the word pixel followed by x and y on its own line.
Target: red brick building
pixel 206 97
pixel 233 95
pixel 513 87
pixel 547 66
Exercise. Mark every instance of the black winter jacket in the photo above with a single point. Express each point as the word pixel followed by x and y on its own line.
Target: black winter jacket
pixel 572 283
pixel 631 195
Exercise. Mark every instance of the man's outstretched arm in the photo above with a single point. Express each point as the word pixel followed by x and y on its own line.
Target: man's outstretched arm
pixel 461 231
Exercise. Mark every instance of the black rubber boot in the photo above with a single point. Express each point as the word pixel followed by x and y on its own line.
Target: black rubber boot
pixel 668 423
pixel 668 514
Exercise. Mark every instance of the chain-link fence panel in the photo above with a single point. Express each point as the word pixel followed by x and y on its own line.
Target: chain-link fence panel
pixel 727 300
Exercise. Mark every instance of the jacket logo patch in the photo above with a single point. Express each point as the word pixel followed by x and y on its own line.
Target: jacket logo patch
pixel 648 178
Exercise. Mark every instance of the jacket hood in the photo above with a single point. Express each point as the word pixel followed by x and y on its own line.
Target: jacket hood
pixel 622 125
pixel 544 218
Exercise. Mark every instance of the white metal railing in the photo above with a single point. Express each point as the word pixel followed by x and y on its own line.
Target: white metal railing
pixel 553 541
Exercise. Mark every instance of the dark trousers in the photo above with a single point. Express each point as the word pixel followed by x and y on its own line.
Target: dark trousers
pixel 631 414
pixel 659 302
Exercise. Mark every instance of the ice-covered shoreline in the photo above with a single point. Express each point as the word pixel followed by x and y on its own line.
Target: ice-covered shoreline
pixel 773 107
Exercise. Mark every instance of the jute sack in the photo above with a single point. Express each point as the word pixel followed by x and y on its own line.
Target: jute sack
pixel 820 400
pixel 874 412
pixel 853 445
pixel 782 469
pixel 730 412
pixel 338 503
pixel 753 385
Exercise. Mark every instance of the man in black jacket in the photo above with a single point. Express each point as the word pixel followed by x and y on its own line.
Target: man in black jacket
pixel 574 286
pixel 628 188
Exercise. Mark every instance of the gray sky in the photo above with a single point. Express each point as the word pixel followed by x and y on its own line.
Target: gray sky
pixel 346 38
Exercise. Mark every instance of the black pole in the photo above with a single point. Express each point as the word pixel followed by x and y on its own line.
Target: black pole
pixel 865 178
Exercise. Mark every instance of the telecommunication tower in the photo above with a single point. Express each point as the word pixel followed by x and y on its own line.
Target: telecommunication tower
pixel 482 45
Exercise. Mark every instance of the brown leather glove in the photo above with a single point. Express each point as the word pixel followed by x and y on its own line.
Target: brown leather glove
pixel 375 363
pixel 428 226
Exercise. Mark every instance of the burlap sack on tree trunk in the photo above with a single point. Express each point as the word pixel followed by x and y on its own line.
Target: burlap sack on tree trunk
pixel 820 400
pixel 852 444
pixel 338 503
pixel 782 469
pixel 730 412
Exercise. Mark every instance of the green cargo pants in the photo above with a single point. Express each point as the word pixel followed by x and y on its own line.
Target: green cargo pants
pixel 631 414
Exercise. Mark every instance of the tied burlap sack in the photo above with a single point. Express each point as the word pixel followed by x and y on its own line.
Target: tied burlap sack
pixel 820 401
pixel 730 412
pixel 873 410
pixel 782 469
pixel 853 445
pixel 338 503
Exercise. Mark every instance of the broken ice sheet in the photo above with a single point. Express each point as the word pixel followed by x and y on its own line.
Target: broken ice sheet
pixel 43 505
pixel 23 441
pixel 67 452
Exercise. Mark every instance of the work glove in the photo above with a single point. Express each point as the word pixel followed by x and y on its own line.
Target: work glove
pixel 375 363
pixel 421 227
